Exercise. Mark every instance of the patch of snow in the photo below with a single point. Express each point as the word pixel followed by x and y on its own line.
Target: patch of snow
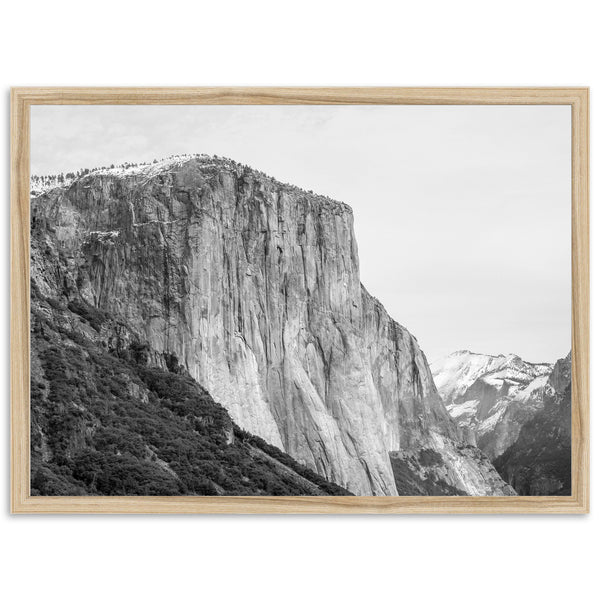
pixel 465 409
pixel 537 384
pixel 491 422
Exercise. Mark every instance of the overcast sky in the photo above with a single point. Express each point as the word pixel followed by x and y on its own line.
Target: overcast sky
pixel 462 214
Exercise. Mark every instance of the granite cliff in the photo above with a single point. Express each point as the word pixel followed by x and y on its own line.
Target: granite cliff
pixel 110 416
pixel 254 286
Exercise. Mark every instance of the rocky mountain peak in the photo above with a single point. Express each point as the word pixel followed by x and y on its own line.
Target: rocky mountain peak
pixel 255 286
pixel 180 163
pixel 490 396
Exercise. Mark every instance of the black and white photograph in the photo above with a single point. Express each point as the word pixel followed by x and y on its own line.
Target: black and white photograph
pixel 300 300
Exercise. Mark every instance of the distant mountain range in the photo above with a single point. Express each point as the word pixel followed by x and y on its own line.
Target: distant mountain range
pixel 517 413
pixel 490 396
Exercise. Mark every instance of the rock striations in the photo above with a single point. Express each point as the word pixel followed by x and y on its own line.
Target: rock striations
pixel 254 285
pixel 109 416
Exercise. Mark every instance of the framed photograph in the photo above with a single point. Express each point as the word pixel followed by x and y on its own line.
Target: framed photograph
pixel 299 300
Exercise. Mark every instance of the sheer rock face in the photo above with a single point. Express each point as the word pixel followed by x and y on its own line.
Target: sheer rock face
pixel 491 397
pixel 255 286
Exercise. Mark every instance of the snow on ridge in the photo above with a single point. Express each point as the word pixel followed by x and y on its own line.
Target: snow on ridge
pixel 466 382
pixel 43 183
pixel 160 165
pixel 455 374
pixel 40 184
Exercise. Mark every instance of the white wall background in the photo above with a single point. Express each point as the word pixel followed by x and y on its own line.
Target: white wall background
pixel 521 42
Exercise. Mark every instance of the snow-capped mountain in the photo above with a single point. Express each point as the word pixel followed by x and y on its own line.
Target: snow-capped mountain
pixel 491 397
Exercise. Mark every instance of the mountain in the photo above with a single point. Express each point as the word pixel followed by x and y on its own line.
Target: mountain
pixel 539 462
pixel 111 417
pixel 254 286
pixel 490 397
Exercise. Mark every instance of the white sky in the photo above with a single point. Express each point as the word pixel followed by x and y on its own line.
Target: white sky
pixel 462 214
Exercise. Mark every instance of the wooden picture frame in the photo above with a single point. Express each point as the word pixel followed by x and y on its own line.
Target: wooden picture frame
pixel 21 101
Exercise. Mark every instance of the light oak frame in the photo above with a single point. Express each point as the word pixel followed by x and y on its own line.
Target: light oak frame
pixel 21 101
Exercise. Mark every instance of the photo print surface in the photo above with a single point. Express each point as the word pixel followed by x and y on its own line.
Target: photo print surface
pixel 300 300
